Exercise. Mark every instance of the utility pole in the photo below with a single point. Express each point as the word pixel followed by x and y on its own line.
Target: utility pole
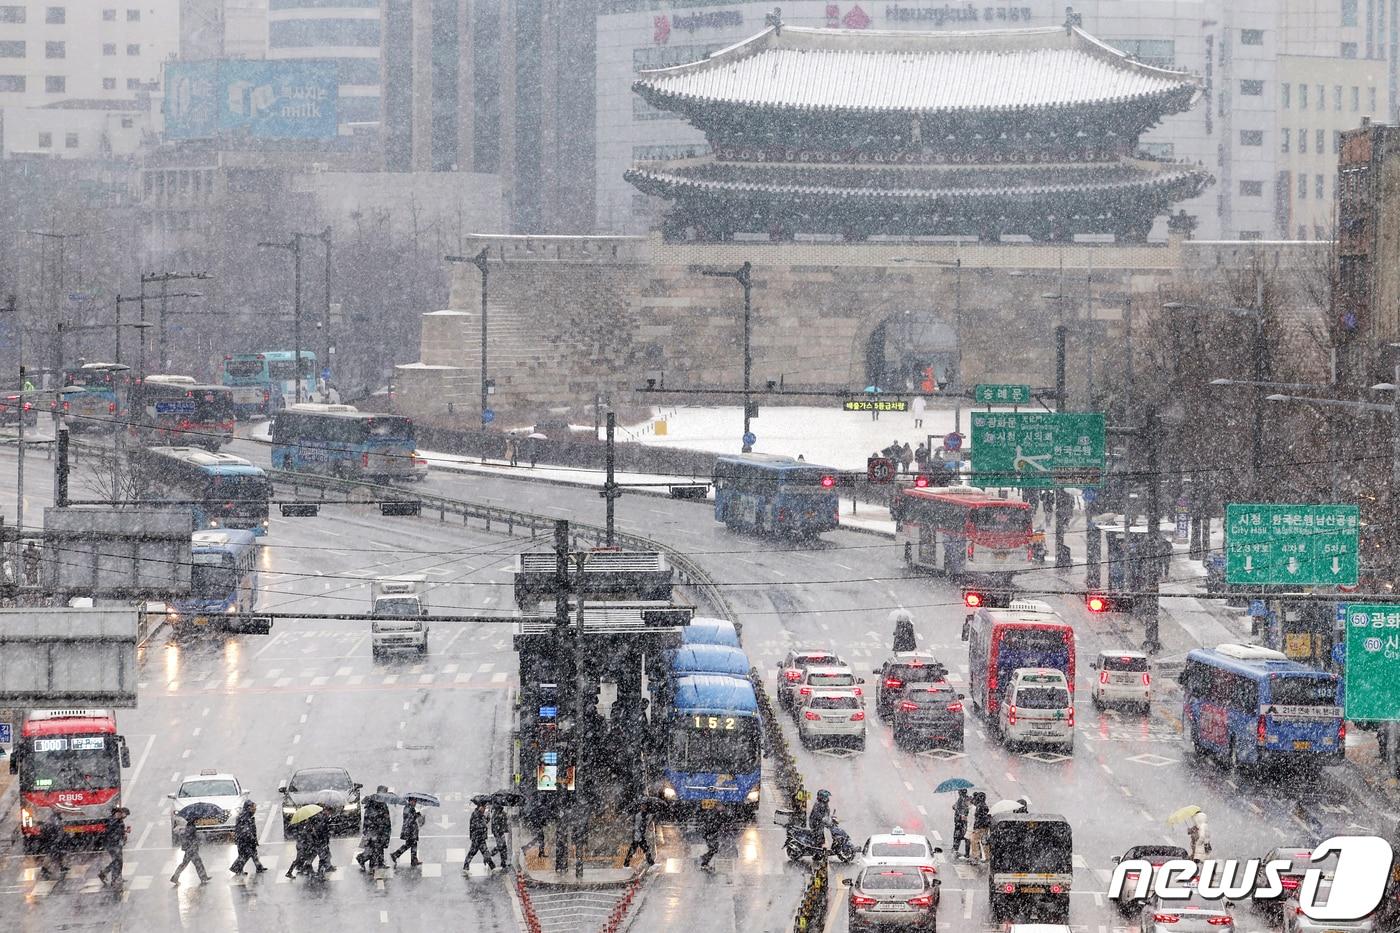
pixel 1151 643
pixel 479 260
pixel 19 470
pixel 743 275
pixel 1062 558
pixel 294 246
pixel 329 344
pixel 1258 352
pixel 611 492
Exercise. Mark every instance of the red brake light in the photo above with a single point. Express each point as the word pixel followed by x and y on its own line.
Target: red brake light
pixel 810 716
pixel 1096 604
pixel 859 692
pixel 1260 731
pixel 972 599
pixel 893 683
pixel 928 870
pixel 906 706
pixel 1103 677
pixel 921 481
pixel 364 460
pixel 1008 889
pixel 828 482
pixel 1131 875
pixel 1220 921
pixel 923 900
pixel 1147 680
pixel 1165 918
pixel 793 675
pixel 1290 883
pixel 955 706
pixel 111 408
pixel 806 691
pixel 1342 732
pixel 1011 714
pixel 858 716
pixel 1056 889
pixel 1071 716
pixel 861 901
pixel 971 549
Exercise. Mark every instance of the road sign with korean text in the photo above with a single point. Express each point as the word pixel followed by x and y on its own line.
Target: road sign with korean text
pixel 1038 449
pixel 1001 395
pixel 875 404
pixel 1291 545
pixel 1373 662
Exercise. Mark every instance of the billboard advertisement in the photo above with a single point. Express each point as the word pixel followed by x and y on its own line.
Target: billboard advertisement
pixel 294 99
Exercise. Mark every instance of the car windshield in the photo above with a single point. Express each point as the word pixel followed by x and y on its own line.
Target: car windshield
pixel 831 680
pixel 1120 663
pixel 902 848
pixel 211 787
pixel 1302 861
pixel 697 750
pixel 839 702
pixel 891 881
pixel 815 660
pixel 400 608
pixel 1155 853
pixel 213 576
pixel 319 780
pixel 1042 698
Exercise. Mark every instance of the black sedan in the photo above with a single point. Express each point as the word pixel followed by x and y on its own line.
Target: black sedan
pixel 900 670
pixel 329 788
pixel 928 714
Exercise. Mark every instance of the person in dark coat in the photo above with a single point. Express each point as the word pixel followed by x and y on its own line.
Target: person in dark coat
pixel 537 818
pixel 409 834
pixel 378 827
pixel 500 832
pixel 961 808
pixel 320 830
pixel 53 843
pixel 113 843
pixel 245 837
pixel 476 834
pixel 711 828
pixel 189 844
pixel 640 818
pixel 304 839
pixel 981 826
pixel 903 630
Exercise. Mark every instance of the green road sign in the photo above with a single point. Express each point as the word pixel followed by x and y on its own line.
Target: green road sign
pixel 1373 662
pixel 1303 545
pixel 1002 395
pixel 1038 449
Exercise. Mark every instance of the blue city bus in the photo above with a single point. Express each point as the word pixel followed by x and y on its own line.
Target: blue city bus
pixel 712 750
pixel 337 440
pixel 710 632
pixel 223 582
pixel 264 382
pixel 224 491
pixel 776 495
pixel 1253 706
pixel 709 659
pixel 96 395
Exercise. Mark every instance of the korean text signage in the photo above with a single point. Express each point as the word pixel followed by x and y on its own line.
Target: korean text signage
pixel 294 99
pixel 875 404
pixel 948 14
pixel 1373 662
pixel 1304 545
pixel 1001 395
pixel 1038 449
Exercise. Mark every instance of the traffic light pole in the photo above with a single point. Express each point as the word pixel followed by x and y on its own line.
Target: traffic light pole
pixel 1151 643
pixel 610 488
pixel 1062 558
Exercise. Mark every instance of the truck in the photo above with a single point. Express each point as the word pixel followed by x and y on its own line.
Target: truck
pixel 398 605
pixel 1032 867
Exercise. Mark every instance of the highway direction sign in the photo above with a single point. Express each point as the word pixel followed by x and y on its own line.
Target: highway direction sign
pixel 1038 449
pixel 1373 662
pixel 1291 545
pixel 1002 395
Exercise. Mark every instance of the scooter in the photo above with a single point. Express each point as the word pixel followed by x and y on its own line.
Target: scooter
pixel 801 842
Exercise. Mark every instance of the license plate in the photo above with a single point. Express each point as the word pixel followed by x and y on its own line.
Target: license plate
pixel 708 804
pixel 201 620
pixel 889 907
pixel 1302 746
pixel 1000 556
pixel 1034 889
pixel 1122 678
pixel 208 821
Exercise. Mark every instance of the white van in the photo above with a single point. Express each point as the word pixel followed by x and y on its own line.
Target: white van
pixel 1038 709
pixel 1123 677
pixel 398 605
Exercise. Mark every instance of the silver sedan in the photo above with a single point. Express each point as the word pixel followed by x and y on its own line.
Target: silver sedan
pixel 1192 914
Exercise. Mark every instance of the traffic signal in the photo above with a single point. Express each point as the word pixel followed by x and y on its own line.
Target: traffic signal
pixel 1097 602
pixel 828 482
pixel 972 599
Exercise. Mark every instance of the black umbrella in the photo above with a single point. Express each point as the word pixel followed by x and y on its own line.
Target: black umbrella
pixel 508 798
pixel 202 811
pixel 480 799
pixel 388 799
pixel 420 799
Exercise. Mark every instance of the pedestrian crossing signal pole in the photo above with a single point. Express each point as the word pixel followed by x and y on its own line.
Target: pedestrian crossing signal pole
pixel 611 492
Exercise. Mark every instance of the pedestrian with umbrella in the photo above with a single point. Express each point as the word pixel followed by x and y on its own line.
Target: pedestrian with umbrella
pixel 245 838
pixel 500 830
pixel 379 826
pixel 961 807
pixel 302 836
pixel 412 820
pixel 640 818
pixel 113 843
pixel 476 834
pixel 903 624
pixel 189 845
pixel 52 843
pixel 319 829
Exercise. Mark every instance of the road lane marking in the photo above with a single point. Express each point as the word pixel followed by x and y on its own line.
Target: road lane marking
pixel 967 904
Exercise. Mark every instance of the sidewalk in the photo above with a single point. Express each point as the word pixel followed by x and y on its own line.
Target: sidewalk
pixel 602 866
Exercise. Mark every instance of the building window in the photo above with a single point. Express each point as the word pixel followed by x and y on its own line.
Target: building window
pixel 133 84
pixel 12 49
pixel 11 83
pixel 1251 189
pixel 70 141
pixel 109 16
pixel 1284 95
pixel 1320 187
pixel 109 84
pixel 1348 50
pixel 128 122
pixel 1336 142
pixel 45 140
pixel 345 33
pixel 1348 12
pixel 11 14
pixel 1302 97
pixel 1371 98
pixel 1283 139
pixel 1251 137
pixel 1251 88
pixel 133 16
pixel 1302 186
pixel 55 16
pixel 1164 151
pixel 1251 37
pixel 1355 99
pixel 55 84
pixel 1251 235
pixel 1302 141
pixel 1337 97
pixel 1321 144
pixel 109 48
pixel 54 50
pixel 1321 97
pixel 1302 232
pixel 133 48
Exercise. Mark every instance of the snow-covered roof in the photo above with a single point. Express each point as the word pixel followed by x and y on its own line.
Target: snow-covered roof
pixel 870 70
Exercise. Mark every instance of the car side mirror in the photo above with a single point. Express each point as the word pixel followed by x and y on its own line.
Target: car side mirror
pixel 938 849
pixel 245 793
pixel 848 881
pixel 170 796
pixel 281 788
pixel 1094 665
pixel 1116 859
pixel 962 696
pixel 779 665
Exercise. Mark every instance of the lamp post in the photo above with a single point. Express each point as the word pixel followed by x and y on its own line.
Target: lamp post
pixel 479 260
pixel 294 247
pixel 164 279
pixel 743 275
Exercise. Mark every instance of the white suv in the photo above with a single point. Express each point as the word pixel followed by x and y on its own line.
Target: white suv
pixel 832 715
pixel 1038 709
pixel 1123 677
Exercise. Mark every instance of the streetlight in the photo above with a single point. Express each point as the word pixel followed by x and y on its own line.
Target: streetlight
pixel 294 247
pixel 742 275
pixel 479 260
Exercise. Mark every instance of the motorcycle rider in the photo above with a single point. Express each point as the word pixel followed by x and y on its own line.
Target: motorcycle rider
pixel 821 819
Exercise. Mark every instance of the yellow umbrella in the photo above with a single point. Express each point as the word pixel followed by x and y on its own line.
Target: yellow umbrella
pixel 305 813
pixel 1182 815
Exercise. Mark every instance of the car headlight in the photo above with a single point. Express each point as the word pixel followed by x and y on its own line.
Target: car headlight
pixel 752 796
pixel 232 610
pixel 668 792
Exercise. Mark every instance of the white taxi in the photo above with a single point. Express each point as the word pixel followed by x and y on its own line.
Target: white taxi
pixel 897 848
pixel 217 788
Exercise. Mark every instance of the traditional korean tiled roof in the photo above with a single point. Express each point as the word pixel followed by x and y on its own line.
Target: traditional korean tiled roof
pixel 948 72
pixel 704 177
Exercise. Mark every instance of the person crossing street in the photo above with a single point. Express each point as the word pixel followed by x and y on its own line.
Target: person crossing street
pixel 476 834
pixel 189 845
pixel 500 832
pixel 640 818
pixel 412 820
pixel 114 844
pixel 245 838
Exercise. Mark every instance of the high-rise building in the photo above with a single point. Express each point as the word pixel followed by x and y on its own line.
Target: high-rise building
pixel 348 32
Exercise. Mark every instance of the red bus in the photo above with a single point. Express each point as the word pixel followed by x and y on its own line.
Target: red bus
pixel 964 533
pixel 69 761
pixel 1000 641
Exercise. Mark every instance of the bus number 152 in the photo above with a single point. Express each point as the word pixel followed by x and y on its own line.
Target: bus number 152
pixel 715 722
